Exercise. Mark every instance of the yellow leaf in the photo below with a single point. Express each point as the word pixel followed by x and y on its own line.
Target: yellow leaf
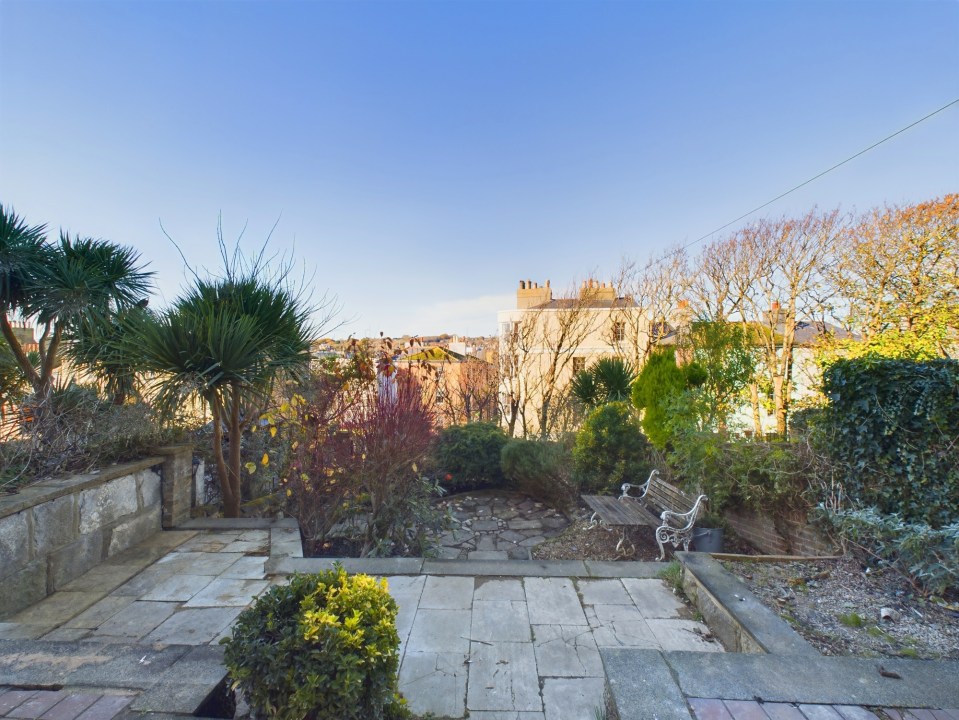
pixel 289 492
pixel 250 467
pixel 273 431
pixel 266 460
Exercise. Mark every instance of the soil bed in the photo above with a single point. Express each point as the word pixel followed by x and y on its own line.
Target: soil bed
pixel 837 607
pixel 580 542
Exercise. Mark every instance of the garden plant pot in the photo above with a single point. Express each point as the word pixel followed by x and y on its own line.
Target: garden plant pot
pixel 708 540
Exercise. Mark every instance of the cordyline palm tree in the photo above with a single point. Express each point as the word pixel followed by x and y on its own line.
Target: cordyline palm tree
pixel 227 341
pixel 607 380
pixel 60 285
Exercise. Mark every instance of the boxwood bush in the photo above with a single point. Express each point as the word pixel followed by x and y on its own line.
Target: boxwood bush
pixel 468 456
pixel 323 647
pixel 611 449
pixel 540 468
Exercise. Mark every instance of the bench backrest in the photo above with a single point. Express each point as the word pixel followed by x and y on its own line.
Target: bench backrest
pixel 668 497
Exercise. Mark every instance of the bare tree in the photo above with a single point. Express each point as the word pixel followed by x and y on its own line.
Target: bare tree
pixel 651 293
pixel 792 258
pixel 898 272
pixel 536 360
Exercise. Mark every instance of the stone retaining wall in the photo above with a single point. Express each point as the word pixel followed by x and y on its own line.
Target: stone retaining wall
pixel 56 530
pixel 779 536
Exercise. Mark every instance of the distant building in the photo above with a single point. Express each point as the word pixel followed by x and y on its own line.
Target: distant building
pixel 544 341
pixel 461 386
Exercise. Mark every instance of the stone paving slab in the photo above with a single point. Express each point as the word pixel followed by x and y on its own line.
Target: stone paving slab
pixel 27 663
pixel 57 608
pixel 370 566
pixel 134 621
pixel 608 569
pixel 435 682
pixel 440 631
pixel 447 593
pixel 185 685
pixel 100 612
pixel 566 651
pixel 500 621
pixel 642 685
pixel 553 601
pixel 653 598
pixel 194 626
pixel 826 681
pixel 227 592
pixel 514 568
pixel 573 698
pixel 502 676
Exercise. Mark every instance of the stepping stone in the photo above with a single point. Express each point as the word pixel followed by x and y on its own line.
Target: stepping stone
pixel 525 524
pixel 487 555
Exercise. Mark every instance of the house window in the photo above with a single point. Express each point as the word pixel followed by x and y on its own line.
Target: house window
pixel 579 364
pixel 619 331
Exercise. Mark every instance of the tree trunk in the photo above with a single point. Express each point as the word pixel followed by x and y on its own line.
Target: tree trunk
pixel 21 357
pixel 231 504
pixel 754 401
pixel 779 402
pixel 235 447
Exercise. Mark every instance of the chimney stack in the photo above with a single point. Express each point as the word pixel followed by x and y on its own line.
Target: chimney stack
pixel 530 294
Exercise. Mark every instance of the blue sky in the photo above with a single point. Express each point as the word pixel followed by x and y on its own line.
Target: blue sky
pixel 422 157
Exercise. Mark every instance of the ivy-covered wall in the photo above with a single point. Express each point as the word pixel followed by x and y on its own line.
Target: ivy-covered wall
pixel 893 427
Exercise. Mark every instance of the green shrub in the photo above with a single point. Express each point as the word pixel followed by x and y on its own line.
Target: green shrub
pixel 736 472
pixel 540 468
pixel 660 384
pixel 468 456
pixel 893 428
pixel 323 647
pixel 928 556
pixel 610 449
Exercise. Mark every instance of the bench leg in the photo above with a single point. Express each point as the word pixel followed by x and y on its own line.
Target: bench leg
pixel 662 536
pixel 623 542
pixel 595 520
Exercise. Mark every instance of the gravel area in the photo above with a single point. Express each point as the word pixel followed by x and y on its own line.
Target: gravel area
pixel 843 610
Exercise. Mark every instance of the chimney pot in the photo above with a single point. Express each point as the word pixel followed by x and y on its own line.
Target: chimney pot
pixel 547 283
pixel 522 285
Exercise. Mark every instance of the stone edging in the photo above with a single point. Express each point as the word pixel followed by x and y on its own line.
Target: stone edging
pixel 47 490
pixel 734 615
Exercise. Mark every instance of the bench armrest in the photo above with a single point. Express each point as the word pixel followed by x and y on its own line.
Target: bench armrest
pixel 624 489
pixel 688 519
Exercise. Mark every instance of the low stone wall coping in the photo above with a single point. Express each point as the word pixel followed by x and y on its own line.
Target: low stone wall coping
pixel 47 490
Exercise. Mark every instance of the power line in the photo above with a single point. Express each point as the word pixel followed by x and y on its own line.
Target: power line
pixel 814 177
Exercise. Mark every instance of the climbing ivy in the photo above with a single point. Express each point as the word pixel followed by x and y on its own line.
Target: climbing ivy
pixel 893 428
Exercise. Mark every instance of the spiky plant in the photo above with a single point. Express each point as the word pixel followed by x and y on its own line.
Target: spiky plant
pixel 607 380
pixel 226 341
pixel 60 285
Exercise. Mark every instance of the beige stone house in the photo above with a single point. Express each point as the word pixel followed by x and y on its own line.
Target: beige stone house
pixel 545 340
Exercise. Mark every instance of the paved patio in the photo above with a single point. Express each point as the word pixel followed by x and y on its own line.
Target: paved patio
pixel 138 636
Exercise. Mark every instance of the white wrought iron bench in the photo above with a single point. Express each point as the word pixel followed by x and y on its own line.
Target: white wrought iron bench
pixel 667 508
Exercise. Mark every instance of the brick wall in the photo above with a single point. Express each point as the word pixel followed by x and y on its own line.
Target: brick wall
pixel 791 535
